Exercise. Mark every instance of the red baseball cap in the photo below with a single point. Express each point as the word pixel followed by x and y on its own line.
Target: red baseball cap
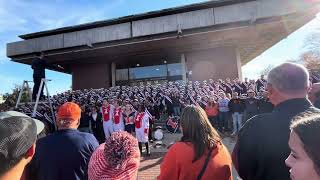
pixel 69 111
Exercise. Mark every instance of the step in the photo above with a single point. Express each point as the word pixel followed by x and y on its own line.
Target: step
pixel 40 102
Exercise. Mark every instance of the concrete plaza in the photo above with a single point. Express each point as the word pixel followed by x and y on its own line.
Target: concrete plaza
pixel 150 166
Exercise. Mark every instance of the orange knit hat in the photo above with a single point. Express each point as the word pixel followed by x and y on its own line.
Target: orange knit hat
pixel 69 111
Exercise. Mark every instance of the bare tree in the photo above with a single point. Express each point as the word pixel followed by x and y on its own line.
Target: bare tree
pixel 266 70
pixel 311 61
pixel 310 58
pixel 11 98
pixel 312 42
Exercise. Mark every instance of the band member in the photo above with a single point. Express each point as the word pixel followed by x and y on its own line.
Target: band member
pixel 135 104
pixel 128 116
pixel 227 86
pixel 260 83
pixel 211 84
pixel 251 105
pixel 202 101
pixel 107 111
pixel 96 124
pixel 237 87
pixel 118 124
pixel 150 108
pixel 314 78
pixel 168 103
pixel 142 128
pixel 245 86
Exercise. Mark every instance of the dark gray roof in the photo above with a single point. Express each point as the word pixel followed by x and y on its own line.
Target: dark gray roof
pixel 169 11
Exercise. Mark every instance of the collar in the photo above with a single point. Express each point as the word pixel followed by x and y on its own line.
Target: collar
pixel 67 130
pixel 297 104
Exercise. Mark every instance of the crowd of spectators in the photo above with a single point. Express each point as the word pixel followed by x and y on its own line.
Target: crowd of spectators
pixel 227 103
pixel 262 150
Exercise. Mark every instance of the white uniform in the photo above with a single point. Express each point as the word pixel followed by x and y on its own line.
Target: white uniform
pixel 107 113
pixel 118 124
pixel 142 127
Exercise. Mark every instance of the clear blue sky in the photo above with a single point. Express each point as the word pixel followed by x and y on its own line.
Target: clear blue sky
pixel 25 16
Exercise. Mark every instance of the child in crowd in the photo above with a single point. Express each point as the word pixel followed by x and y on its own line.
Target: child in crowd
pixel 304 160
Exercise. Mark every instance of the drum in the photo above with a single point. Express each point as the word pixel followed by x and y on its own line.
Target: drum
pixel 158 133
pixel 173 124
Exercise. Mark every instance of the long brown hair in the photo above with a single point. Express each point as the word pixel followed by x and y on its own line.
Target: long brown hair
pixel 307 127
pixel 198 130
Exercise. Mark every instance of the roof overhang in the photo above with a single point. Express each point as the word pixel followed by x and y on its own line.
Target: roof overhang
pixel 136 17
pixel 251 27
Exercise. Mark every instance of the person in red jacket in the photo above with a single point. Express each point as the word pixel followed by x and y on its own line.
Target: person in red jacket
pixel 200 154
pixel 212 112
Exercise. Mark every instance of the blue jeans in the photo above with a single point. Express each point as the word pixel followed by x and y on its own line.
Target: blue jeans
pixel 237 122
pixel 176 110
pixel 223 121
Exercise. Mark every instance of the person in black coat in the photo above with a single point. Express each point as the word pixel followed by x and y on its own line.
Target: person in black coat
pixel 176 105
pixel 39 66
pixel 150 107
pixel 262 143
pixel 264 104
pixel 245 86
pixel 251 105
pixel 260 83
pixel 236 107
pixel 227 87
pixel 168 104
pixel 96 124
pixel 84 120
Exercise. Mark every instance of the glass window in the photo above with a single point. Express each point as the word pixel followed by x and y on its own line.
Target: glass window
pixel 175 69
pixel 148 72
pixel 122 75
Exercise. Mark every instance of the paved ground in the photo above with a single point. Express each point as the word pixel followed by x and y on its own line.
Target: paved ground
pixel 229 143
pixel 150 166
